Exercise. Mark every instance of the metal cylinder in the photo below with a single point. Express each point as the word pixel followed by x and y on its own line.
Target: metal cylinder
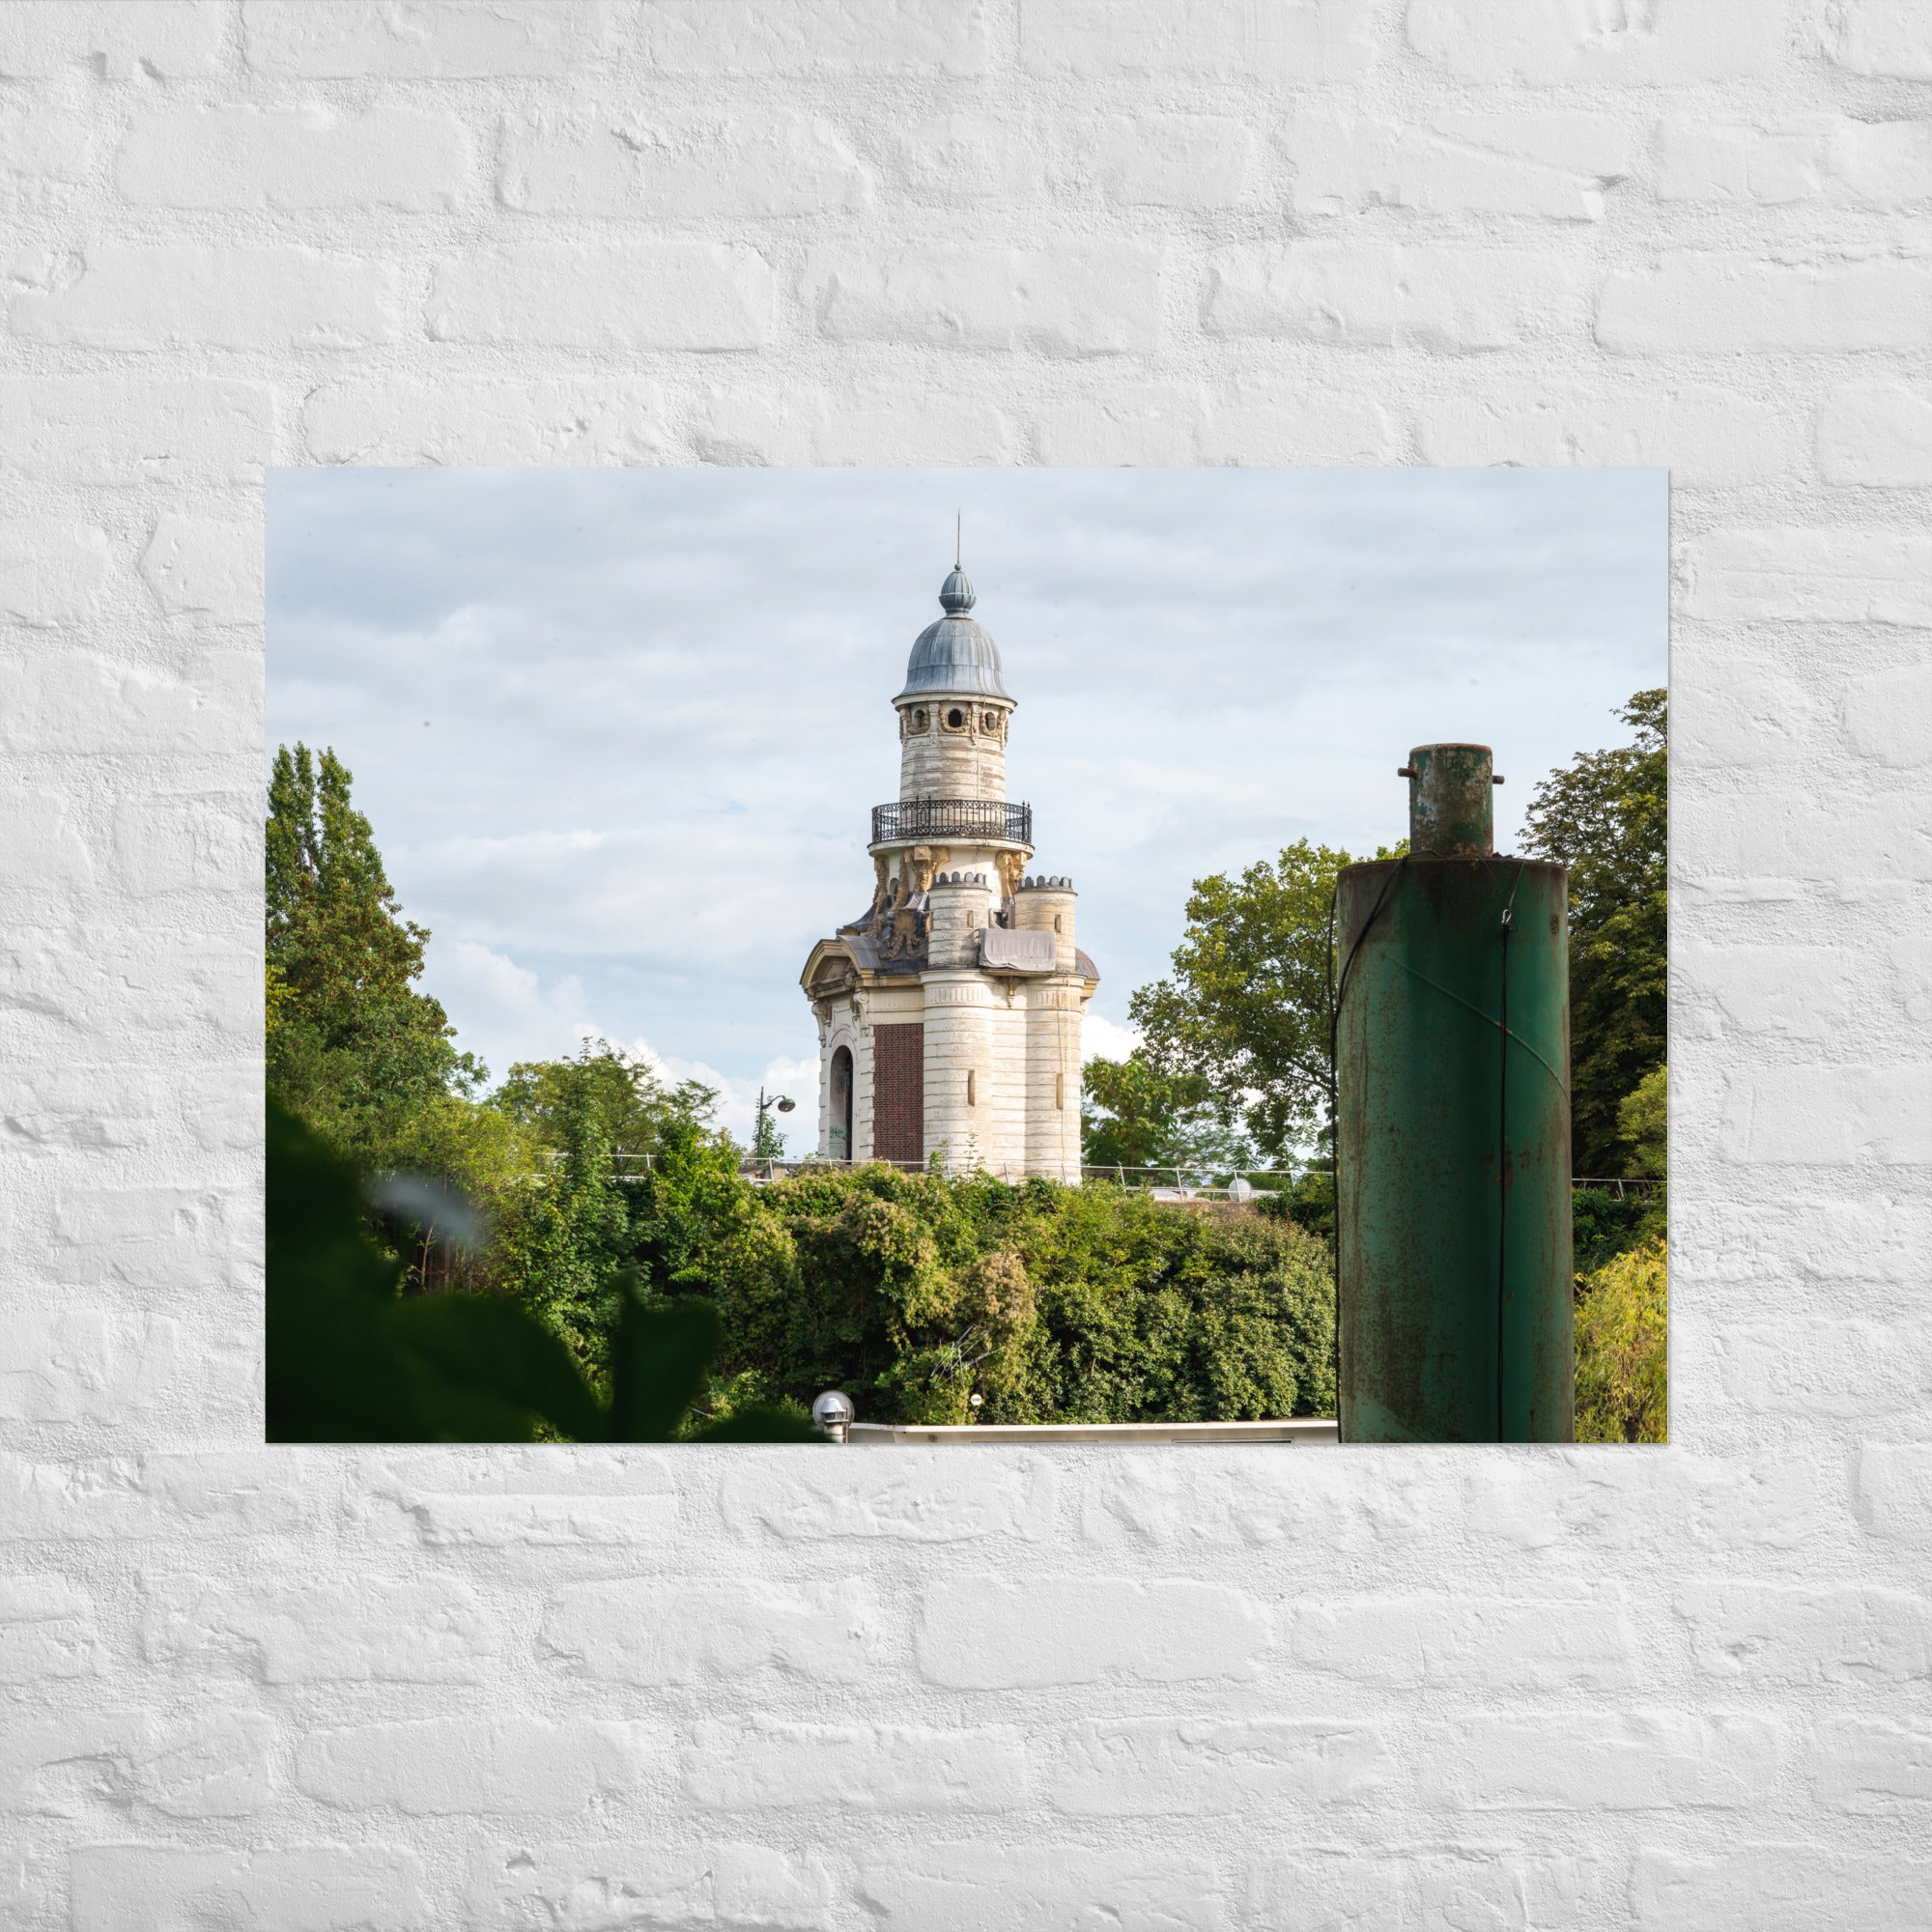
pixel 1453 1134
pixel 1452 810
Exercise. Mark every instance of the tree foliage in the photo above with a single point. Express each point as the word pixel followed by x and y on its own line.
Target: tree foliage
pixel 768 1142
pixel 1605 1223
pixel 352 1048
pixel 913 1292
pixel 1622 1348
pixel 1140 1115
pixel 622 1094
pixel 1606 816
pixel 1246 1006
pixel 1642 1120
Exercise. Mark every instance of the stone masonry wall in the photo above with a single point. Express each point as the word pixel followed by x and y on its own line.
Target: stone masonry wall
pixel 938 762
pixel 408 1688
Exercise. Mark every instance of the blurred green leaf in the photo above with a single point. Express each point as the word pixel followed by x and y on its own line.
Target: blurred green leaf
pixel 761 1425
pixel 658 1362
pixel 349 1362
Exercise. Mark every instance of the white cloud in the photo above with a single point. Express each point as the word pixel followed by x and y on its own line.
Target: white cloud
pixel 796 1078
pixel 1101 1038
pixel 504 1011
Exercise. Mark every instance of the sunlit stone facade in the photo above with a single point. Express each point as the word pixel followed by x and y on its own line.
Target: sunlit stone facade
pixel 949 1014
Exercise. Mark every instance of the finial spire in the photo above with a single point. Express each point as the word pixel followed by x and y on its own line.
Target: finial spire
pixel 955 594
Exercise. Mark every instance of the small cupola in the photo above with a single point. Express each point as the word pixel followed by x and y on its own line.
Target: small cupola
pixel 956 655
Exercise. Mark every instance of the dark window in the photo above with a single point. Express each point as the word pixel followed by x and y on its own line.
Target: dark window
pixel 842 1103
pixel 956 719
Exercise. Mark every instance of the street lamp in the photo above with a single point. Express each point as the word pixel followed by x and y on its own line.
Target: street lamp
pixel 833 1412
pixel 765 1145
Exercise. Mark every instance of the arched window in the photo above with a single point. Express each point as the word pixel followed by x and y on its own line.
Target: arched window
pixel 841 1097
pixel 971 1088
pixel 956 719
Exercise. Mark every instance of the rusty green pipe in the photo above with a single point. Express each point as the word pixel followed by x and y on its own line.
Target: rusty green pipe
pixel 1453 1130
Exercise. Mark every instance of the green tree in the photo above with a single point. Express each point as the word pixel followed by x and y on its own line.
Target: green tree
pixel 1246 1006
pixel 625 1096
pixel 693 1204
pixel 1140 1115
pixel 567 1247
pixel 1606 816
pixel 1622 1348
pixel 1643 1120
pixel 767 1142
pixel 352 1048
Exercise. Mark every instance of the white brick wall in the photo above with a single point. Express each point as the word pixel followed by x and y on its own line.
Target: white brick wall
pixel 382 1690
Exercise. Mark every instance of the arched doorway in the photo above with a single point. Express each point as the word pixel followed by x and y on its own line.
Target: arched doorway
pixel 842 1104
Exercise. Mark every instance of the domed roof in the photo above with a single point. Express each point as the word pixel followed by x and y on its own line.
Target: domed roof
pixel 956 655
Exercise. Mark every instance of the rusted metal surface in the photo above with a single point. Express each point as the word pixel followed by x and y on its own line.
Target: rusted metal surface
pixel 1451 800
pixel 1453 1078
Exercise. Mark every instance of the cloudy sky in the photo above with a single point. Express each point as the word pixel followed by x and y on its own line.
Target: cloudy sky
pixel 619 731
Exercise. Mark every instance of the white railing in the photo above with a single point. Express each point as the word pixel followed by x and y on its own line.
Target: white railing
pixel 1303 1431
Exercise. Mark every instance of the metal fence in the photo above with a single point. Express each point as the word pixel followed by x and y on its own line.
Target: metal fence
pixel 952 818
pixel 1194 1183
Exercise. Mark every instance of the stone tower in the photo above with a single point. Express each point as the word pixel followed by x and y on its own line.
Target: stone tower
pixel 949 1014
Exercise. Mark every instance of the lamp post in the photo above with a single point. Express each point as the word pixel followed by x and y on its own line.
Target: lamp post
pixel 766 1143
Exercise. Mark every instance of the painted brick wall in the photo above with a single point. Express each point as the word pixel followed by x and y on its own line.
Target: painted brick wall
pixel 365 1691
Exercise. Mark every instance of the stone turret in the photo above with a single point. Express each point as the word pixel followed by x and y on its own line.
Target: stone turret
pixel 1046 905
pixel 949 1011
pixel 955 710
pixel 963 905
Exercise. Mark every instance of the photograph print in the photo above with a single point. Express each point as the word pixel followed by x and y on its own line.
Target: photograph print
pixel 912 958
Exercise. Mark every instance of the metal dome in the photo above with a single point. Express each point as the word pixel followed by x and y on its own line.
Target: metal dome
pixel 955 654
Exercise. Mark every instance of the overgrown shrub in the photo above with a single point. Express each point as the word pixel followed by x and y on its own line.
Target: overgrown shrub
pixel 1622 1348
pixel 1605 1224
pixel 915 1292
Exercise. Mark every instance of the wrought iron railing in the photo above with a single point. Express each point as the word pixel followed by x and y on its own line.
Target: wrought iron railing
pixel 953 818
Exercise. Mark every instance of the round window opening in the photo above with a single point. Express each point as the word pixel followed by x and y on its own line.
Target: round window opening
pixel 955 718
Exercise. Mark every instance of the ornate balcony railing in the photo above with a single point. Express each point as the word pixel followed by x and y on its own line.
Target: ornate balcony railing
pixel 953 818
